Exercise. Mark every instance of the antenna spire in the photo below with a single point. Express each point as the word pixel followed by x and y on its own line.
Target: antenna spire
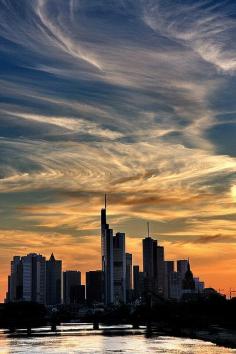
pixel 148 229
pixel 105 200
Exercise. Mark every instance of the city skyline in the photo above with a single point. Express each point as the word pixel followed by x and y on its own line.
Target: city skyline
pixel 143 257
pixel 33 278
pixel 131 98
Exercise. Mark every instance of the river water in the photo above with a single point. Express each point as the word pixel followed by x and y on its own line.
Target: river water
pixel 80 338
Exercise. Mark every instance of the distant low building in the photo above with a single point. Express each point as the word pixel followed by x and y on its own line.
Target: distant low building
pixel 94 286
pixel 199 285
pixel 73 291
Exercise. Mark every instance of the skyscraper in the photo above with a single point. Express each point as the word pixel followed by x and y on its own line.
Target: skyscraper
pixel 169 269
pixel 27 281
pixel 149 257
pixel 153 266
pixel 150 264
pixel 94 286
pixel 128 276
pixel 182 266
pixel 113 262
pixel 53 281
pixel 107 258
pixel 108 267
pixel 34 278
pixel 160 274
pixel 119 268
pixel 136 281
pixel 15 280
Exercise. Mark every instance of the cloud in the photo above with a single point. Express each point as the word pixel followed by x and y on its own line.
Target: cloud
pixel 207 29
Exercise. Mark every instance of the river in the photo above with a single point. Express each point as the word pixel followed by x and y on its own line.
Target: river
pixel 80 338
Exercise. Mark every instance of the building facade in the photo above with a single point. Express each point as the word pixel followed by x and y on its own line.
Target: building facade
pixel 128 276
pixel 94 286
pixel 73 291
pixel 107 258
pixel 27 281
pixel 119 268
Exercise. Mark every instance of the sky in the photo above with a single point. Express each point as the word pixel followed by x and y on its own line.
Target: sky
pixel 135 98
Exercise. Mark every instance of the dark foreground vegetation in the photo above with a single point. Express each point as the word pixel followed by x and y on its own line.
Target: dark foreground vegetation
pixel 212 318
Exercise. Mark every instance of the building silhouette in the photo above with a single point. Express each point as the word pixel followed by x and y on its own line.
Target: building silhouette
pixel 27 281
pixel 73 291
pixel 53 281
pixel 113 262
pixel 107 258
pixel 153 266
pixel 136 281
pixel 169 269
pixel 119 268
pixel 94 286
pixel 188 283
pixel 149 258
pixel 128 260
pixel 160 271
pixel 182 266
pixel 175 290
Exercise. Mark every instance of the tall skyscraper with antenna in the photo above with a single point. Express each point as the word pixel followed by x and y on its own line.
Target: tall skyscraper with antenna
pixel 107 256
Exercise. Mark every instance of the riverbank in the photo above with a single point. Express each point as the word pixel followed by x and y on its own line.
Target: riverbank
pixel 220 336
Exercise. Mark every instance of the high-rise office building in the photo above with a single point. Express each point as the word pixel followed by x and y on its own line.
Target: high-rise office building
pixel 150 258
pixel 34 278
pixel 94 286
pixel 119 268
pixel 73 291
pixel 169 268
pixel 188 283
pixel 107 258
pixel 182 266
pixel 53 281
pixel 160 273
pixel 27 281
pixel 128 276
pixel 175 290
pixel 141 285
pixel 136 281
pixel 153 266
pixel 15 280
pixel 108 267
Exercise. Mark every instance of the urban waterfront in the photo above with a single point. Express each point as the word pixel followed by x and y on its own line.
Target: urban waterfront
pixel 80 338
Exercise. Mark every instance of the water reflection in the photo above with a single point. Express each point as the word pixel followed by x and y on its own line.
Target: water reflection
pixel 80 338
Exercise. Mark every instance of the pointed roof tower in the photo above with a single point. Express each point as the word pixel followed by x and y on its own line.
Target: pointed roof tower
pixel 52 258
pixel 188 281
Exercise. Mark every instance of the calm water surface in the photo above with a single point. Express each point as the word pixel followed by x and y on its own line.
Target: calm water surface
pixel 81 339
